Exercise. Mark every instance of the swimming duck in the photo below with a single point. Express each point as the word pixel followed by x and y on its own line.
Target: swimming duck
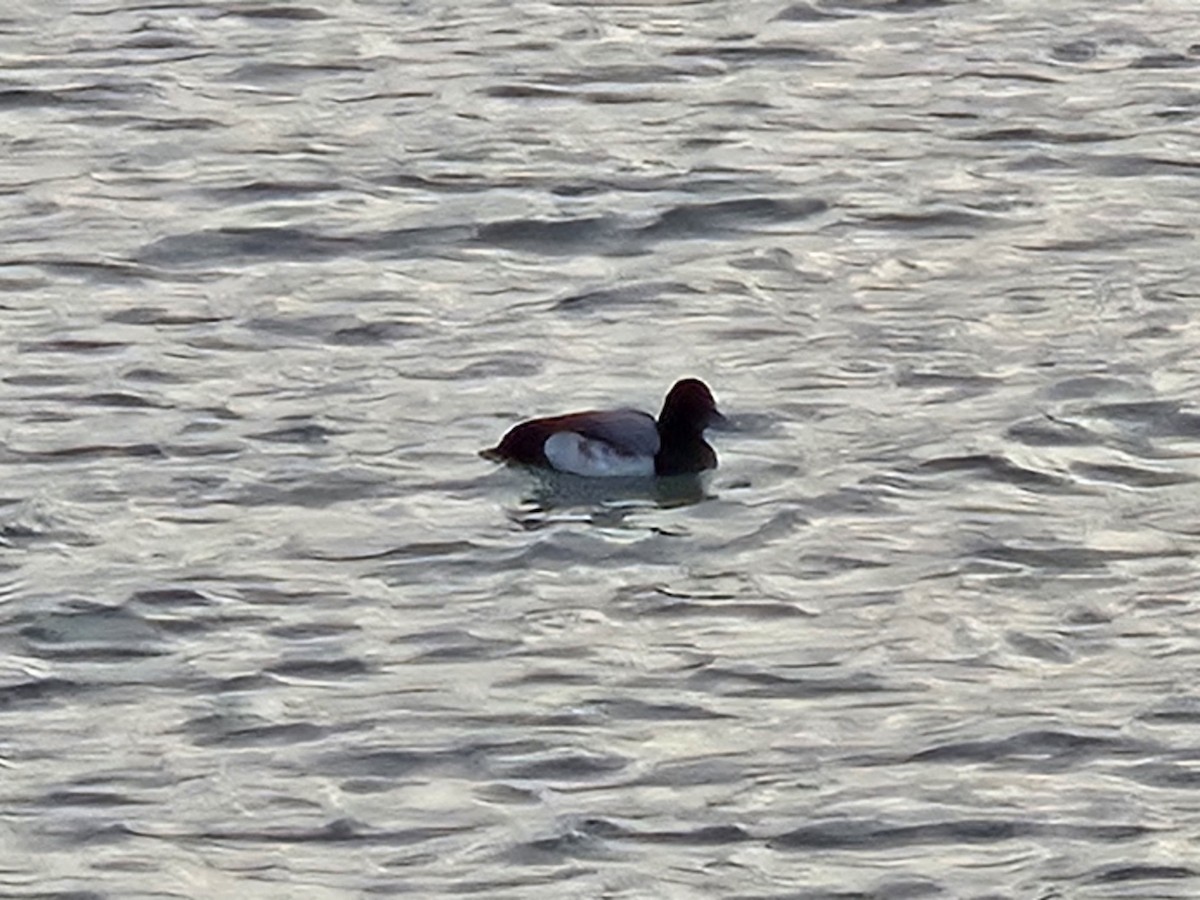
pixel 620 442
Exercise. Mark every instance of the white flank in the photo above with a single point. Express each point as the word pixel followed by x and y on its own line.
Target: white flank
pixel 569 451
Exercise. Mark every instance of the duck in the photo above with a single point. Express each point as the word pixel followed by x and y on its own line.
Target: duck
pixel 620 442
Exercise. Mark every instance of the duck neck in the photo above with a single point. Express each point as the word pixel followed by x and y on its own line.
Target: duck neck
pixel 672 430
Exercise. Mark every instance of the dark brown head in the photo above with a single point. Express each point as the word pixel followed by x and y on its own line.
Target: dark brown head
pixel 688 409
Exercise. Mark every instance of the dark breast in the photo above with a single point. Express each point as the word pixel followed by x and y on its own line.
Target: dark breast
pixel 685 457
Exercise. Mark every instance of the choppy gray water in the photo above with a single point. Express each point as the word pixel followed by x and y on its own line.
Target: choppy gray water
pixel 273 273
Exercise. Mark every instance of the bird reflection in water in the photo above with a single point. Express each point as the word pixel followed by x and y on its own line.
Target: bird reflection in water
pixel 557 497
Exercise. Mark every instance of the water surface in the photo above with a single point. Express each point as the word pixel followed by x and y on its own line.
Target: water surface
pixel 273 274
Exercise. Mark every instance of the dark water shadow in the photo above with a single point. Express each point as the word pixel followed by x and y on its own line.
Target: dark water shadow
pixel 604 501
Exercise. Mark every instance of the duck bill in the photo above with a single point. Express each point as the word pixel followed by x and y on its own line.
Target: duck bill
pixel 718 420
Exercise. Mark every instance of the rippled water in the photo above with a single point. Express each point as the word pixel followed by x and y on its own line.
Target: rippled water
pixel 272 274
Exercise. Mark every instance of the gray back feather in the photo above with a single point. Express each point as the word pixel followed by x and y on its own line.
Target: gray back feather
pixel 629 430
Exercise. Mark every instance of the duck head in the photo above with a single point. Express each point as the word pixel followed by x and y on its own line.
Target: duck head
pixel 688 409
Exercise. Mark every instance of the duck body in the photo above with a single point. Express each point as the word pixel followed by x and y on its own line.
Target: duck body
pixel 620 442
